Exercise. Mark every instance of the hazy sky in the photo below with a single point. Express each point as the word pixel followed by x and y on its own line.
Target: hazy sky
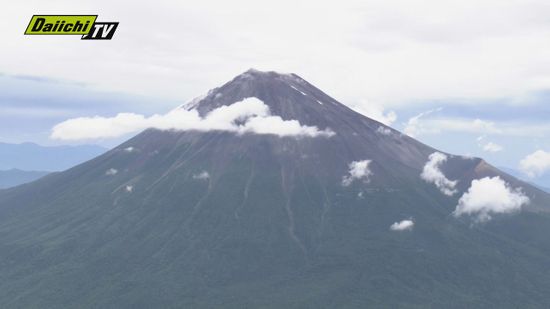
pixel 469 77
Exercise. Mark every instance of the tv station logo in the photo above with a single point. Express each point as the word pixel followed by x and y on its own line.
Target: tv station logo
pixel 84 25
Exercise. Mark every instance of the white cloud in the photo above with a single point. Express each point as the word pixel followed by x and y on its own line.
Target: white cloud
pixel 423 125
pixel 202 175
pixel 383 130
pixel 357 170
pixel 536 163
pixel 414 127
pixel 375 111
pixel 488 146
pixel 111 172
pixel 492 147
pixel 465 125
pixel 433 174
pixel 252 111
pixel 276 125
pixel 383 50
pixel 404 225
pixel 487 196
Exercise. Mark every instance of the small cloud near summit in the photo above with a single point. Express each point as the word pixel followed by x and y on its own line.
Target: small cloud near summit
pixel 432 174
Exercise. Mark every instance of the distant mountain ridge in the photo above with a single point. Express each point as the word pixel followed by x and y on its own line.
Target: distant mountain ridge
pixel 34 157
pixel 15 177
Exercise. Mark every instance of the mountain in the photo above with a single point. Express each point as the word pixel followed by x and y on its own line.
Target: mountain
pixel 33 157
pixel 15 177
pixel 220 219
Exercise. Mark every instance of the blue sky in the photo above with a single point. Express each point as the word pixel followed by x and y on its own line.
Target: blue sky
pixel 31 105
pixel 467 77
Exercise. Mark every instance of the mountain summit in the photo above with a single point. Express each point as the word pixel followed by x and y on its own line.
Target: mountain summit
pixel 287 95
pixel 362 217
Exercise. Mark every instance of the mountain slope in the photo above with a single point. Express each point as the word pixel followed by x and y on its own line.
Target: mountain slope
pixel 217 219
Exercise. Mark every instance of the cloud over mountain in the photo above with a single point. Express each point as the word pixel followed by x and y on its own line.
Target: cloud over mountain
pixel 250 115
pixel 433 174
pixel 357 170
pixel 490 195
pixel 404 225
